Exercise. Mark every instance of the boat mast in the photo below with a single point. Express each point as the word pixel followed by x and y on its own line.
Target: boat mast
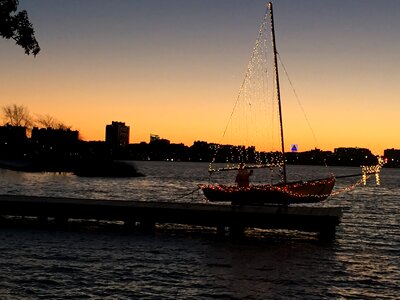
pixel 278 91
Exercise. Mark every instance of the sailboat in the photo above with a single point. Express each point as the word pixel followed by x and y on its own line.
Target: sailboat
pixel 283 192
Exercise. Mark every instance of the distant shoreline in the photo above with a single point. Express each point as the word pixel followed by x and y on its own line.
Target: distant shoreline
pixel 95 168
pixel 84 168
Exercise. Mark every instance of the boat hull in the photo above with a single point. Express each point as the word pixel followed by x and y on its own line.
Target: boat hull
pixel 290 193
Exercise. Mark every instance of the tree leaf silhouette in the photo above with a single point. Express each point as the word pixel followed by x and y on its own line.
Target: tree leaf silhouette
pixel 16 26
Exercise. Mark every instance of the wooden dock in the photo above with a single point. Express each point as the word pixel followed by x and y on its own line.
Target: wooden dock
pixel 147 214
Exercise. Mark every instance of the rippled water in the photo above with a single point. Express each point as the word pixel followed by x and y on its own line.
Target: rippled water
pixel 180 263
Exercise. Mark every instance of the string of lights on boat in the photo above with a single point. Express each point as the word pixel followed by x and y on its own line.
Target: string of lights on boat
pixel 254 119
pixel 367 172
pixel 284 190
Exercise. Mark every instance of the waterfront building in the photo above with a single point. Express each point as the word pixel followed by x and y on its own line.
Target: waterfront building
pixel 154 137
pixel 51 136
pixel 13 141
pixel 392 157
pixel 117 134
pixel 353 157
pixel 13 135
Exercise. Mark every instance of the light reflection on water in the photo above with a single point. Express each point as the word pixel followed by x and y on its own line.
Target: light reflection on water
pixel 363 262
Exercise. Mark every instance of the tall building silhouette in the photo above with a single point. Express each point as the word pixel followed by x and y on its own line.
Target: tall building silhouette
pixel 117 134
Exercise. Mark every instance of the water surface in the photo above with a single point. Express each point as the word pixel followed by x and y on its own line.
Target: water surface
pixel 181 263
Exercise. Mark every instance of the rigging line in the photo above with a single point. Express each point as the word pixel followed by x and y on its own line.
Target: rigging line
pixel 298 100
pixel 348 188
pixel 240 92
pixel 255 49
pixel 301 107
pixel 190 193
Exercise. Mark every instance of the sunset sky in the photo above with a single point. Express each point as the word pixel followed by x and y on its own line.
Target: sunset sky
pixel 174 68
